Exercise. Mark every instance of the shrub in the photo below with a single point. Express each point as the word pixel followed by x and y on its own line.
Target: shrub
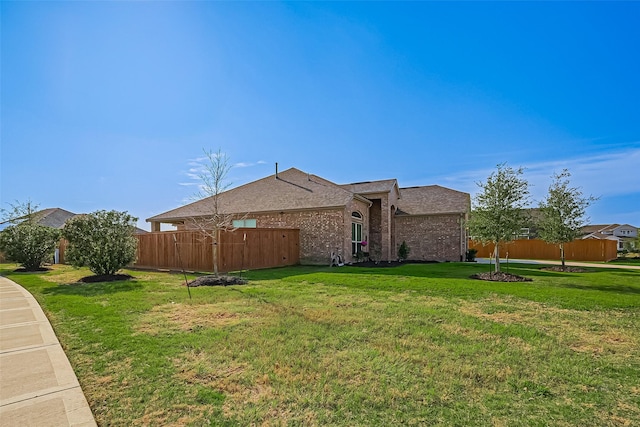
pixel 471 255
pixel 403 251
pixel 104 241
pixel 29 244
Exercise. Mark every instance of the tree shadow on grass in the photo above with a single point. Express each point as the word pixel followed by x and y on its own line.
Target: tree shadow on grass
pixel 93 289
pixel 620 289
pixel 446 270
pixel 434 270
pixel 280 273
pixel 443 270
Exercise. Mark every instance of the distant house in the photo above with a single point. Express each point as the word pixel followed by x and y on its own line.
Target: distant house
pixel 53 217
pixel 620 233
pixel 57 217
pixel 372 217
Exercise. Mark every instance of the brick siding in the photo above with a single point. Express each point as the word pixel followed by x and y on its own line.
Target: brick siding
pixel 431 238
pixel 321 231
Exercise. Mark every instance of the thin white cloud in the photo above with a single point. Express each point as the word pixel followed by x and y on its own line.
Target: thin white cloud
pixel 197 161
pixel 606 174
pixel 196 167
pixel 247 164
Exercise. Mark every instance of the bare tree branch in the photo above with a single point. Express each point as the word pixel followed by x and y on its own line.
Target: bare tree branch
pixel 214 182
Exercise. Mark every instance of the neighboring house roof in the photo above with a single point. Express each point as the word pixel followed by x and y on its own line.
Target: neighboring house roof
pixel 372 187
pixel 601 236
pixel 53 217
pixel 606 231
pixel 57 218
pixel 589 229
pixel 431 200
pixel 292 189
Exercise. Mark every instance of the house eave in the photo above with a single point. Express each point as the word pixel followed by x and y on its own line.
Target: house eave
pixel 363 199
pixel 183 218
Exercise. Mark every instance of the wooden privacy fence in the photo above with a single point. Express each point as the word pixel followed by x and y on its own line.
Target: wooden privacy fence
pixel 191 250
pixel 578 250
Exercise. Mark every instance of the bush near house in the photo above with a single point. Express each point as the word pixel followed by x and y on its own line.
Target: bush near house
pixel 29 244
pixel 104 241
pixel 403 251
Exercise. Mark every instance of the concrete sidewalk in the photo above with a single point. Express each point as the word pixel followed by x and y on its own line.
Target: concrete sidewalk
pixel 503 261
pixel 37 384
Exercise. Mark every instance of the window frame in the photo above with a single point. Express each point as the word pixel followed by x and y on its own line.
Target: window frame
pixel 357 228
pixel 244 223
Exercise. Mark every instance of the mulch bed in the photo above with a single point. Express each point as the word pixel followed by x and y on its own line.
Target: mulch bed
pixel 500 277
pixel 565 270
pixel 35 270
pixel 105 278
pixel 372 264
pixel 217 281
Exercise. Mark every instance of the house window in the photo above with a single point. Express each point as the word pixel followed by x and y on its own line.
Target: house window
pixel 244 223
pixel 356 232
pixel 356 237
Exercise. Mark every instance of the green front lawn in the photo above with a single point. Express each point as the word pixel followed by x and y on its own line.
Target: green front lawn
pixel 627 260
pixel 413 345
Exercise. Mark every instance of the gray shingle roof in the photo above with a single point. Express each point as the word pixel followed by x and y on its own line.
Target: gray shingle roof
pixel 53 217
pixel 432 199
pixel 292 190
pixel 370 187
pixel 297 190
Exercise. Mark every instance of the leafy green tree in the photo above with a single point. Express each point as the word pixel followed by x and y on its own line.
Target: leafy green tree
pixel 104 241
pixel 563 212
pixel 498 212
pixel 25 241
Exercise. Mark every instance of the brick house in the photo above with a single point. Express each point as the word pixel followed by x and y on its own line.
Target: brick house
pixel 339 218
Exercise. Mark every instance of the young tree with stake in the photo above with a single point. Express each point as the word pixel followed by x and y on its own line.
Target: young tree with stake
pixel 563 212
pixel 499 208
pixel 213 182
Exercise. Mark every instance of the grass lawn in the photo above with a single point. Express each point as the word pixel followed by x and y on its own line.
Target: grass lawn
pixel 626 261
pixel 413 345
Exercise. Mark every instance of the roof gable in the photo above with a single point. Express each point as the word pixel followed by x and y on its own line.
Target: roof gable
pixel 372 187
pixel 431 200
pixel 55 217
pixel 291 189
pixel 50 217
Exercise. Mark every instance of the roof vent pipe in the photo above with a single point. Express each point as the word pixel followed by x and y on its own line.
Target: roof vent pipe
pixel 276 170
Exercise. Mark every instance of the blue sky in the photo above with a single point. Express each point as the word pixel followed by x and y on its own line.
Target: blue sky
pixel 108 105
